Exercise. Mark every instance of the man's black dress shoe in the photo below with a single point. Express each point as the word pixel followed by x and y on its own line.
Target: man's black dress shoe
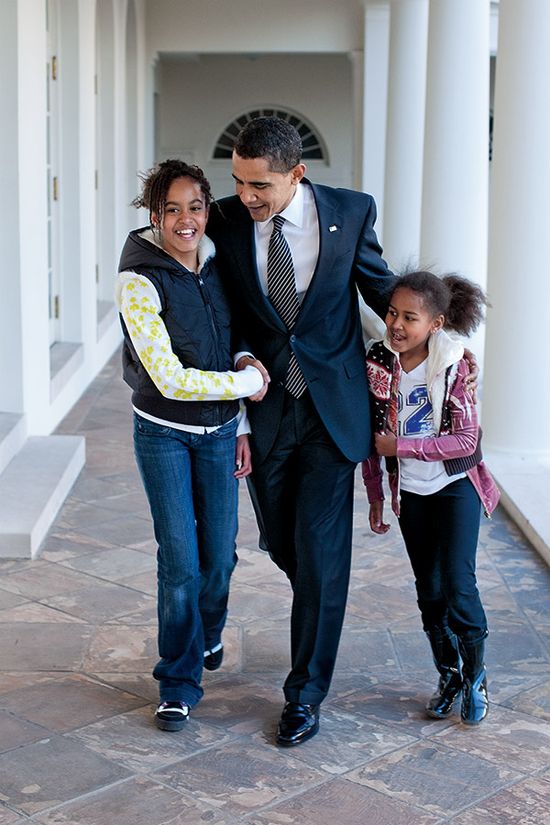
pixel 298 723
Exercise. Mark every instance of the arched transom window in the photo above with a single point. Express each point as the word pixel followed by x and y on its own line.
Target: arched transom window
pixel 313 148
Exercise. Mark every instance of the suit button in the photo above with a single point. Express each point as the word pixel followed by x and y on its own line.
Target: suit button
pixel 292 338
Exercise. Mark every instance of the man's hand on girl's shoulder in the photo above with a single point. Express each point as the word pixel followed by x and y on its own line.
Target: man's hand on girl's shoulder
pixel 470 382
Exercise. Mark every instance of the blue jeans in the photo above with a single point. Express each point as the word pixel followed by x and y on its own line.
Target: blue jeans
pixel 440 533
pixel 192 494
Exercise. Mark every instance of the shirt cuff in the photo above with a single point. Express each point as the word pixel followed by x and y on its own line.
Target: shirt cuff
pixel 240 355
pixel 243 426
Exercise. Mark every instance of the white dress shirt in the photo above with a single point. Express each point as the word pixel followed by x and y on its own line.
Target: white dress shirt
pixel 301 230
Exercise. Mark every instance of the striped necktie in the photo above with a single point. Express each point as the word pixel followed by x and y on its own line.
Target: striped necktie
pixel 281 286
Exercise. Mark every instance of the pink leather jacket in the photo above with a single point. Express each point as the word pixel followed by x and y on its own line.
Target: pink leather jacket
pixel 455 419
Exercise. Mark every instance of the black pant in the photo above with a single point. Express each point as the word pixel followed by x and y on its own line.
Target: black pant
pixel 303 498
pixel 441 532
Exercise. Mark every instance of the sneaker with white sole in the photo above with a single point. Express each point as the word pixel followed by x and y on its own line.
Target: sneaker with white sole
pixel 214 657
pixel 172 715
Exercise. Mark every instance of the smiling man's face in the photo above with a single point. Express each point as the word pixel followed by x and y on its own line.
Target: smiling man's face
pixel 264 193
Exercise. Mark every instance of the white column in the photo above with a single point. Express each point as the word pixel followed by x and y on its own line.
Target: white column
pixel 375 91
pixel 455 192
pixel 122 220
pixel 144 127
pixel 517 402
pixel 357 62
pixel 11 333
pixel 33 211
pixel 405 130
pixel 70 232
pixel 87 170
pixel 107 148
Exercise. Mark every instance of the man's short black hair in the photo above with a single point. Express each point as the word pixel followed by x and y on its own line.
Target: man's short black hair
pixel 272 138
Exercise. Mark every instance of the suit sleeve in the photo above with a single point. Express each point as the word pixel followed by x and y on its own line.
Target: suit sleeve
pixel 374 279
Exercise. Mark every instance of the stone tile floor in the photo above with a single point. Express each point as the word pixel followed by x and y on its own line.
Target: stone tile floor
pixel 77 643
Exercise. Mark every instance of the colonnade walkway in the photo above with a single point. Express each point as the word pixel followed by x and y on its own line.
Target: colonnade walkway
pixel 77 644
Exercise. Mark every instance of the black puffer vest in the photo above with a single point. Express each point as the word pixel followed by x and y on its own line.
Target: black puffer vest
pixel 196 314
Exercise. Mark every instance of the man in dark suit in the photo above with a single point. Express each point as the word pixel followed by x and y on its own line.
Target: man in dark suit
pixel 313 425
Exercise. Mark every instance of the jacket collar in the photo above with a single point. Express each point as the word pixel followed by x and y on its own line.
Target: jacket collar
pixel 330 220
pixel 206 248
pixel 443 352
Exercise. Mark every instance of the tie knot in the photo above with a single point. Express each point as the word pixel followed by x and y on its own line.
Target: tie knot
pixel 278 222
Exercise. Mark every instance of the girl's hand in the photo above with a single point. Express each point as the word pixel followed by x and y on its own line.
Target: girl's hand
pixel 375 518
pixel 385 444
pixel 243 460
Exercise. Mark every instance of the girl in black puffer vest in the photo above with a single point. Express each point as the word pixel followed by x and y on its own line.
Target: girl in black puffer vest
pixel 190 446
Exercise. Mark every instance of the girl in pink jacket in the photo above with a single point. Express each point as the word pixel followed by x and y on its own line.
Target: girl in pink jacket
pixel 426 427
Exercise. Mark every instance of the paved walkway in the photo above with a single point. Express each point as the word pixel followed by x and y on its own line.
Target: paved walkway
pixel 77 643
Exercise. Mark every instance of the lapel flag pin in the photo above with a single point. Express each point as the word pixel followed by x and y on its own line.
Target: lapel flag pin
pixel 332 228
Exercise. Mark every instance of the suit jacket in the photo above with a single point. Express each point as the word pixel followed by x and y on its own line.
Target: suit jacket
pixel 327 335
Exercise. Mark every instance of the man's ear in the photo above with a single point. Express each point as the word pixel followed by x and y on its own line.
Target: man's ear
pixel 298 172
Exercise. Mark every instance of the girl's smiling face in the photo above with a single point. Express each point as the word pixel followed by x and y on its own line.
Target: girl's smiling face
pixel 410 324
pixel 183 221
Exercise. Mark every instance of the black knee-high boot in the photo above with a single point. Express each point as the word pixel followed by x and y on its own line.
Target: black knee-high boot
pixel 445 653
pixel 475 702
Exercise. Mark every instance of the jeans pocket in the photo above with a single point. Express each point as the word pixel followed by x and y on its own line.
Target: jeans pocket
pixel 145 427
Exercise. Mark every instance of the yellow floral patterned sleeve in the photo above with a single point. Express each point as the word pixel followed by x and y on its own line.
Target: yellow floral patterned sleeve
pixel 139 304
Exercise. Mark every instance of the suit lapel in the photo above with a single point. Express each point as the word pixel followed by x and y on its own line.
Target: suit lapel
pixel 241 240
pixel 242 233
pixel 330 228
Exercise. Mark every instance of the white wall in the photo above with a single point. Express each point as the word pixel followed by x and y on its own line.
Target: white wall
pixel 29 387
pixel 200 95
pixel 229 26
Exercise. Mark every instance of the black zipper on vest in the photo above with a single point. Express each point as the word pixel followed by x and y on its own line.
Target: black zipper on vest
pixel 215 332
pixel 211 317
